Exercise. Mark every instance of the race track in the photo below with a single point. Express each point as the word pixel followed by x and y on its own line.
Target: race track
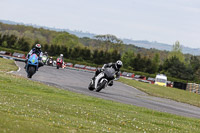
pixel 77 81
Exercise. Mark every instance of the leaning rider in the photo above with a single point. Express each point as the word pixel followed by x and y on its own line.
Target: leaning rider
pixel 116 66
pixel 38 52
pixel 61 57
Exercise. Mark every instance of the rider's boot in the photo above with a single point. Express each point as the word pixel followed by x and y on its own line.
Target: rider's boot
pixel 93 77
pixel 25 63
pixel 110 83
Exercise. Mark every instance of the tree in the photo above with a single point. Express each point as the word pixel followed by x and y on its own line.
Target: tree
pixel 11 40
pixel 46 47
pixel 115 55
pixel 195 63
pixel 175 68
pixel 0 39
pixel 76 53
pixel 86 53
pixel 66 39
pixel 4 44
pixel 127 58
pixel 149 67
pixel 136 63
pixel 109 38
pixel 110 43
pixel 94 55
pixel 177 51
pixel 52 51
pixel 156 62
pixel 65 51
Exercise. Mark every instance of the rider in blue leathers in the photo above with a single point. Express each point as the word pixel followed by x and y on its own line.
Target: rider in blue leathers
pixel 38 52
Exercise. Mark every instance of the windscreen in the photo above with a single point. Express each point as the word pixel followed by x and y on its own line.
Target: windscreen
pixel 110 72
pixel 161 80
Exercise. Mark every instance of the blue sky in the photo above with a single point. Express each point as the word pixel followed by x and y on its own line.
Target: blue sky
pixel 154 20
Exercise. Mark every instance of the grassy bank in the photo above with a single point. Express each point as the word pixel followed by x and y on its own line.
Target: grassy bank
pixel 11 50
pixel 7 65
pixel 27 106
pixel 165 92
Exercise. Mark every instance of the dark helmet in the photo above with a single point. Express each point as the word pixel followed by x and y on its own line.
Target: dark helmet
pixel 38 46
pixel 118 64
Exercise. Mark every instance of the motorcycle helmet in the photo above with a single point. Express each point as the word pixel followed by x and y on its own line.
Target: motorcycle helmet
pixel 38 46
pixel 61 55
pixel 118 64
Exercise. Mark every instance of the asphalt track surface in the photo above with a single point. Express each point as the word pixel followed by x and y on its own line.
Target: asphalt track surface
pixel 77 81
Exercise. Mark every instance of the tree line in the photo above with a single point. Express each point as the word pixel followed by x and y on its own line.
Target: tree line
pixel 174 65
pixel 79 53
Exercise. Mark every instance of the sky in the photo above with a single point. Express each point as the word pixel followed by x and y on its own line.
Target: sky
pixel 164 21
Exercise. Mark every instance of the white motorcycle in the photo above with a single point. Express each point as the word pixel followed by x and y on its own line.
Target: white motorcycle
pixel 44 59
pixel 102 80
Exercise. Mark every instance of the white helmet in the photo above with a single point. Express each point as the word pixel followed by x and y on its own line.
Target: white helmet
pixel 118 64
pixel 37 46
pixel 61 55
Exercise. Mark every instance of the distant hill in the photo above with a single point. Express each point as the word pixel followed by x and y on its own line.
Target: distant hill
pixel 77 33
pixel 138 43
pixel 161 46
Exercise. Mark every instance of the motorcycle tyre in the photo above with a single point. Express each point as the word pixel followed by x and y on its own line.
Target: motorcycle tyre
pixel 31 71
pixel 90 87
pixel 101 86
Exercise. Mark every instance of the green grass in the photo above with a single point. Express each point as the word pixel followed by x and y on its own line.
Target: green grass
pixel 7 65
pixel 165 92
pixel 11 50
pixel 27 106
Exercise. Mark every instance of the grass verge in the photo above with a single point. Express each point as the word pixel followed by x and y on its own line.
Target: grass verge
pixel 165 92
pixel 27 106
pixel 7 65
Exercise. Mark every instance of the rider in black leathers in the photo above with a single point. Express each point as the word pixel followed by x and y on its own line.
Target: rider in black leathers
pixel 117 65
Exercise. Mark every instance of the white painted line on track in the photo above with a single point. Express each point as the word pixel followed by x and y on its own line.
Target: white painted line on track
pixel 18 67
pixel 17 70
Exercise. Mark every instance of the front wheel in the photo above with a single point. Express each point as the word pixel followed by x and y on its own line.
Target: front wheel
pixel 91 87
pixel 31 71
pixel 101 86
pixel 57 67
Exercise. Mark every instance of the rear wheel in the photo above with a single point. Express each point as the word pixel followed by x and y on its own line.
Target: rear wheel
pixel 57 67
pixel 100 86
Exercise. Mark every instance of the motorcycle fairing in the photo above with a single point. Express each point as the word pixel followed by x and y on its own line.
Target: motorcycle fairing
pixel 33 60
pixel 98 77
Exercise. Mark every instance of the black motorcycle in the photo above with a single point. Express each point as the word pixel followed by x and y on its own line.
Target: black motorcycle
pixel 102 80
pixel 50 62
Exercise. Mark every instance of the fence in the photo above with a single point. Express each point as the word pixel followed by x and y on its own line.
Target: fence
pixel 192 87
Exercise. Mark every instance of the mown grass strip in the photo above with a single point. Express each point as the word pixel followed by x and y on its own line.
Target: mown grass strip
pixel 164 92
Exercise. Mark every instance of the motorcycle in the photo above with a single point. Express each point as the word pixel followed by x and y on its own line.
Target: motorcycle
pixel 50 62
pixel 102 80
pixel 59 63
pixel 44 59
pixel 32 65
